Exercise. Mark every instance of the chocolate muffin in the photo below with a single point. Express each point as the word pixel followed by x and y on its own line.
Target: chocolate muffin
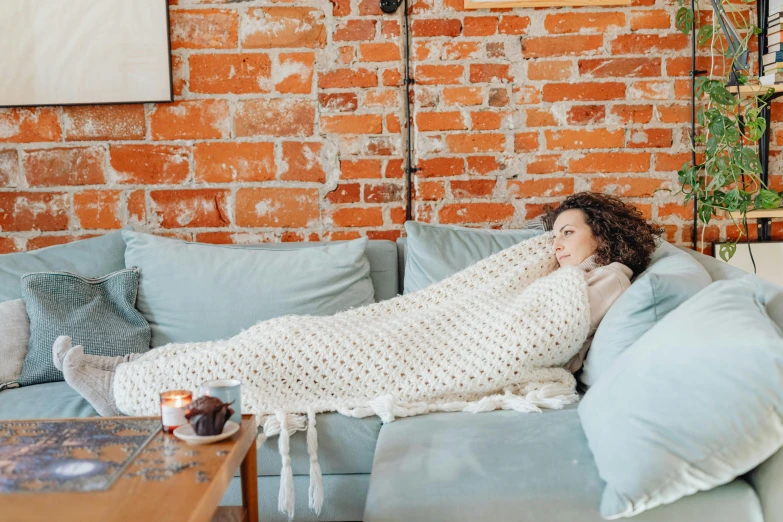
pixel 208 415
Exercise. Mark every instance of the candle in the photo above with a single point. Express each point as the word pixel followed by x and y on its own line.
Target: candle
pixel 173 404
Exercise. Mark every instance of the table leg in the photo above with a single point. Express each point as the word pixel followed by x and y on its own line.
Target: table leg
pixel 249 476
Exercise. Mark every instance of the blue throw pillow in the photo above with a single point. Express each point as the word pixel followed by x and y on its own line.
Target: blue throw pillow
pixel 672 278
pixel 98 313
pixel 435 252
pixel 696 402
pixel 199 292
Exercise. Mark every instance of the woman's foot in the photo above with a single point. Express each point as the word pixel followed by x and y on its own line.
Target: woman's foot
pixel 60 348
pixel 94 384
pixel 62 345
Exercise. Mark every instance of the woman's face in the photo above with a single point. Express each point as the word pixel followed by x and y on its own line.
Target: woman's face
pixel 574 241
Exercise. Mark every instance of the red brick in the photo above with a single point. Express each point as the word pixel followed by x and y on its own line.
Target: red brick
pixel 439 74
pixel 576 22
pixel 513 24
pixel 137 206
pixel 204 29
pixel 632 113
pixel 545 164
pixel 461 50
pixel 629 187
pixel 390 28
pixel 681 65
pixel 440 167
pixel 388 98
pixel 394 169
pixel 347 55
pixel 593 91
pixel 543 46
pixel 354 30
pixel 369 7
pixel 673 113
pixel 644 138
pixel 97 209
pixel 480 26
pixel 302 162
pixel 345 193
pixel 234 161
pixel 343 235
pixel 278 27
pixel 439 121
pixel 342 102
pixel 35 243
pixel 526 141
pixel 430 190
pixel 352 124
pixel 179 74
pixel 666 210
pixel 388 235
pixel 487 120
pixel 10 175
pixel 347 79
pixel 542 187
pixel 104 122
pixel 8 245
pixel 470 143
pixel 584 139
pixel 526 95
pixel 381 146
pixel 489 72
pixel 586 114
pixel 275 117
pixel 549 70
pixel 620 67
pixel 472 188
pixel 384 193
pixel 342 7
pixel 476 213
pixel 656 19
pixel 496 50
pixel 461 96
pixel 277 207
pixel 230 73
pixel 650 90
pixel 436 27
pixel 191 208
pixel 149 164
pixel 293 73
pixel 649 43
pixel 193 119
pixel 379 52
pixel 23 211
pixel 391 78
pixel 360 169
pixel 594 162
pixel 665 162
pixel 64 166
pixel 357 217
pixel 29 125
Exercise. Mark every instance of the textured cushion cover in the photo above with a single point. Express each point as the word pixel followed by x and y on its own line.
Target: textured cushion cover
pixel 694 403
pixel 507 466
pixel 198 292
pixel 672 278
pixel 98 313
pixel 434 252
pixel 14 338
pixel 92 257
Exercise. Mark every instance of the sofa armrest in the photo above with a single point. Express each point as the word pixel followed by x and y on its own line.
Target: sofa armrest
pixel 767 480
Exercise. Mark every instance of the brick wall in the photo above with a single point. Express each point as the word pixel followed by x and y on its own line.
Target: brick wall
pixel 287 125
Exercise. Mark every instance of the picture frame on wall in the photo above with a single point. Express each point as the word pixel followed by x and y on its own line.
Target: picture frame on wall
pixel 492 4
pixel 78 52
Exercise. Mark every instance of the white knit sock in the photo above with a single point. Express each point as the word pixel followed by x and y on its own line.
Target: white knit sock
pixel 94 384
pixel 63 344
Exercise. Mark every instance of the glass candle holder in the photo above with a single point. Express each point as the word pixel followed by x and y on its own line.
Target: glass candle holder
pixel 173 404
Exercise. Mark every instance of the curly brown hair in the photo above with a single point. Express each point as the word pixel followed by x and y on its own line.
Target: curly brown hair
pixel 623 234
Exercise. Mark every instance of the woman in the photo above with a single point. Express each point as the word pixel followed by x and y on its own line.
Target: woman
pixel 610 241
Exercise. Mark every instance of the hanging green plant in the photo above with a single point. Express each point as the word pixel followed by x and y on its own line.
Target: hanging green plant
pixel 730 126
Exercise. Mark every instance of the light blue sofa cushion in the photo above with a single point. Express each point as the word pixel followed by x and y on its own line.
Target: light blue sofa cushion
pixel 435 252
pixel 507 466
pixel 672 278
pixel 98 313
pixel 697 401
pixel 92 257
pixel 52 400
pixel 198 292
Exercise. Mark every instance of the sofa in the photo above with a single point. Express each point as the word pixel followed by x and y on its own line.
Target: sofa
pixel 443 466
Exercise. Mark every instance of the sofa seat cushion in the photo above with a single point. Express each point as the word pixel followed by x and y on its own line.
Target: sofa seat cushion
pixel 345 445
pixel 507 466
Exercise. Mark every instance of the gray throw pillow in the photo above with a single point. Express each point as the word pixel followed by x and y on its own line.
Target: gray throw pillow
pixel 97 313
pixel 14 337
pixel 435 252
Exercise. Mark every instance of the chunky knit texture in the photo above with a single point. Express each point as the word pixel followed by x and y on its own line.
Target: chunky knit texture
pixel 493 336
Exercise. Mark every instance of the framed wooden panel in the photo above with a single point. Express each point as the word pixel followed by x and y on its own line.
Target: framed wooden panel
pixel 490 4
pixel 768 256
pixel 57 52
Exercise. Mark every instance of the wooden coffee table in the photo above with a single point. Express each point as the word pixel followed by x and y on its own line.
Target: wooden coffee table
pixel 148 489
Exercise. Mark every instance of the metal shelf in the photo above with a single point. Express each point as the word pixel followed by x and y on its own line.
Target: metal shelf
pixel 749 91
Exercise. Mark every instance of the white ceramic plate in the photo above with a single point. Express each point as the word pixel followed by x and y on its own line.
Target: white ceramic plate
pixel 186 433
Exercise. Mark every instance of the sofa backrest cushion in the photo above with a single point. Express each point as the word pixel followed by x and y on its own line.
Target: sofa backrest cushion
pixel 94 257
pixel 198 292
pixel 672 278
pixel 435 252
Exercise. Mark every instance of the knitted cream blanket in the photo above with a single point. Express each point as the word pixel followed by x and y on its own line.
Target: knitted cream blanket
pixel 493 336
